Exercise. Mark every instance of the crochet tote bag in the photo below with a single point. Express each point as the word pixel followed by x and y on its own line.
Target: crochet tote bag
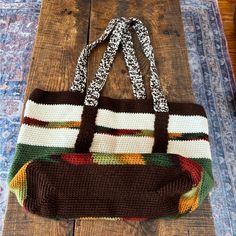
pixel 82 155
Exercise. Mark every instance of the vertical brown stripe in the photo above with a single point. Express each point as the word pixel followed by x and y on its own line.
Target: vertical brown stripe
pixel 160 132
pixel 87 129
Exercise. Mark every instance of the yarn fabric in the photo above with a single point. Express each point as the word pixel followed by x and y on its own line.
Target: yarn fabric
pixel 83 155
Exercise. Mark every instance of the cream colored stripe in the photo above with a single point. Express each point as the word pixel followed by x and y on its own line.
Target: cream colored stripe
pixel 57 112
pixel 145 121
pixel 187 124
pixel 109 144
pixel 121 144
pixel 110 119
pixel 67 137
pixel 191 149
pixel 47 137
pixel 123 120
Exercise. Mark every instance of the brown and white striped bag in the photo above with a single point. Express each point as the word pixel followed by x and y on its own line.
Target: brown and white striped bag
pixel 83 155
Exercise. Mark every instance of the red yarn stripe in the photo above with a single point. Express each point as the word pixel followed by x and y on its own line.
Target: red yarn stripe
pixel 121 132
pixel 32 121
pixel 78 159
pixel 192 167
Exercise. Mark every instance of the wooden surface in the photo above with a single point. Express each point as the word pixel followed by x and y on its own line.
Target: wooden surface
pixel 64 28
pixel 227 11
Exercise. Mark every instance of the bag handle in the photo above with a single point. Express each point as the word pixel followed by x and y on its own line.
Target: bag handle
pixel 95 87
pixel 132 64
pixel 159 101
pixel 80 78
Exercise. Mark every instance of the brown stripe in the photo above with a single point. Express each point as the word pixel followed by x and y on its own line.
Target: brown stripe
pixel 161 132
pixel 87 129
pixel 117 105
pixel 70 191
pixel 55 97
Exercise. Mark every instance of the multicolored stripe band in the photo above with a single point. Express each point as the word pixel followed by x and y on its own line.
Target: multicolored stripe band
pixel 124 146
pixel 200 178
pixel 111 131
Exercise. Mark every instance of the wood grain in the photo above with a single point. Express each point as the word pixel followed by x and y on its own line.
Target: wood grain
pixel 198 223
pixel 163 20
pixel 62 32
pixel 227 10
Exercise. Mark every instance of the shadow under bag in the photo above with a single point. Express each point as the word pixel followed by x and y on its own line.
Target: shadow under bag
pixel 82 155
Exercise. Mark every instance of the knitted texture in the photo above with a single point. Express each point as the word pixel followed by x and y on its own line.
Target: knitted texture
pixel 51 126
pixel 82 155
pixel 52 121
pixel 163 184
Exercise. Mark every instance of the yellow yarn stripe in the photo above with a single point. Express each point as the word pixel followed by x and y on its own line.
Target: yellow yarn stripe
pixel 190 201
pixel 18 184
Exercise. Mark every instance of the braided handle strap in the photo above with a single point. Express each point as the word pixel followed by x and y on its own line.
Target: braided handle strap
pixel 133 66
pixel 95 87
pixel 79 83
pixel 159 101
pixel 93 93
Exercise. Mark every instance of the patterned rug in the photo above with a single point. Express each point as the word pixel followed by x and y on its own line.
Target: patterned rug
pixel 212 79
pixel 214 88
pixel 18 22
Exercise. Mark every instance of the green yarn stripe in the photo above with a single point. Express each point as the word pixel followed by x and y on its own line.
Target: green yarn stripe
pixel 159 159
pixel 25 153
pixel 189 136
pixel 121 132
pixel 207 178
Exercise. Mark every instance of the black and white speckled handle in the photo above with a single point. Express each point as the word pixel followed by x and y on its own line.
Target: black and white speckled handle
pixel 97 84
pixel 159 100
pixel 121 34
pixel 80 79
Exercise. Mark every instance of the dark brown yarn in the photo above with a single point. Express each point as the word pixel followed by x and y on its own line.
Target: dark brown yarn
pixel 59 189
pixel 117 105
pixel 87 129
pixel 160 132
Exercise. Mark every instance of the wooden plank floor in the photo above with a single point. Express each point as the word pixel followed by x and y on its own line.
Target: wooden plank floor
pixel 64 28
pixel 227 14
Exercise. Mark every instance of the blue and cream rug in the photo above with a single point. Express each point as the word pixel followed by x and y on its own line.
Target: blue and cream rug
pixel 212 80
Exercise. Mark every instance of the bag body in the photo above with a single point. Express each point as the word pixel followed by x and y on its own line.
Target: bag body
pixel 83 155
